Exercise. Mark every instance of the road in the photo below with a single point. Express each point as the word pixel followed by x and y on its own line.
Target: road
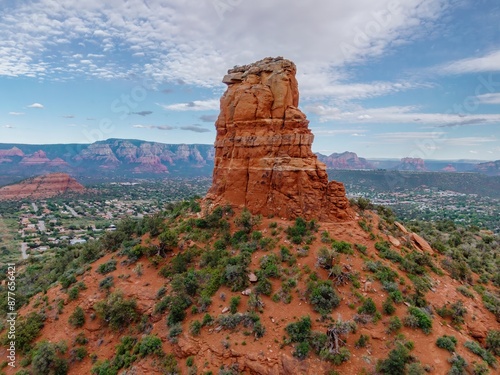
pixel 24 247
pixel 73 212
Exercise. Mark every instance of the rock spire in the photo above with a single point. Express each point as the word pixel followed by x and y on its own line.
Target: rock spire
pixel 263 156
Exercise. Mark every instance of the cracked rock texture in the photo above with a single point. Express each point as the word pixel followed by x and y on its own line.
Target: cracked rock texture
pixel 263 156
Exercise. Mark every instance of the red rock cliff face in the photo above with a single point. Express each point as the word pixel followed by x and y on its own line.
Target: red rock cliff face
pixel 263 156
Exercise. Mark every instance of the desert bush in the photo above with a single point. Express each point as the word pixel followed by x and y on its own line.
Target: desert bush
pixel 396 361
pixel 388 307
pixel 368 307
pixel 234 303
pixel 150 345
pixel 493 342
pixel 45 360
pixel 77 318
pixel 475 348
pixel 326 257
pixel 447 342
pixel 394 325
pixel 107 267
pixel 362 341
pixel 322 296
pixel 117 311
pixel 300 330
pixel 417 318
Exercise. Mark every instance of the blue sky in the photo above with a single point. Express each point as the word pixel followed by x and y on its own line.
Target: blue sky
pixel 391 79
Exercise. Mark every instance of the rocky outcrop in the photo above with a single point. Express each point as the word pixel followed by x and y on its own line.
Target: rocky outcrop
pixel 14 151
pixel 346 160
pixel 45 186
pixel 263 156
pixel 412 164
pixel 37 158
pixel 449 168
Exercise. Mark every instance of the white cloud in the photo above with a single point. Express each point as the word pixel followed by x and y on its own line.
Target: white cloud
pixel 8 126
pixel 159 127
pixel 486 63
pixel 196 105
pixel 400 114
pixel 16 113
pixel 492 98
pixel 198 43
pixel 36 105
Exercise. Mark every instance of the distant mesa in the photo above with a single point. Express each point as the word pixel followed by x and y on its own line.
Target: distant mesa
pixel 14 151
pixel 449 168
pixel 491 168
pixel 412 164
pixel 263 156
pixel 346 160
pixel 45 186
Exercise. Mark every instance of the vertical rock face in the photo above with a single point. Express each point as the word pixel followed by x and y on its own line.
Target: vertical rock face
pixel 263 156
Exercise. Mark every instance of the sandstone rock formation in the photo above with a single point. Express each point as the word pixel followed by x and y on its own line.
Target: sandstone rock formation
pixel 263 157
pixel 412 164
pixel 346 160
pixel 45 186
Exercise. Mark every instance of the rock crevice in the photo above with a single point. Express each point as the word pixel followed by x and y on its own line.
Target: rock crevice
pixel 263 156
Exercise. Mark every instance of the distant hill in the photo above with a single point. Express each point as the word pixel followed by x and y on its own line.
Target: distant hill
pixel 114 159
pixel 44 186
pixel 346 160
pixel 491 168
pixel 109 159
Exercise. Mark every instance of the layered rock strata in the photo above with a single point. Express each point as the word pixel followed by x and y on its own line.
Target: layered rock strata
pixel 45 186
pixel 263 156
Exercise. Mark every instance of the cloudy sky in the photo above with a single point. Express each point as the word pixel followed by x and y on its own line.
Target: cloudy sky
pixel 382 78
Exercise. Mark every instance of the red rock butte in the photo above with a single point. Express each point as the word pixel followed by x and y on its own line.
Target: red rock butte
pixel 44 186
pixel 263 156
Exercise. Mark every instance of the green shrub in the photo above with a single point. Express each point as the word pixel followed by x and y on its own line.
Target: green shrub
pixel 73 293
pixel 300 330
pixel 207 320
pixel 233 304
pixel 117 311
pixel 107 267
pixel 326 257
pixel 27 330
pixel 195 327
pixel 104 368
pixel 493 342
pixel 368 307
pixel 362 341
pixel 45 360
pixel 79 354
pixel 396 361
pixel 302 350
pixel 475 348
pixel 447 342
pixel 77 318
pixel 150 345
pixel 264 286
pixel 417 318
pixel 342 247
pixel 458 365
pixel 388 307
pixel 394 325
pixel 106 283
pixel 361 248
pixel 322 296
